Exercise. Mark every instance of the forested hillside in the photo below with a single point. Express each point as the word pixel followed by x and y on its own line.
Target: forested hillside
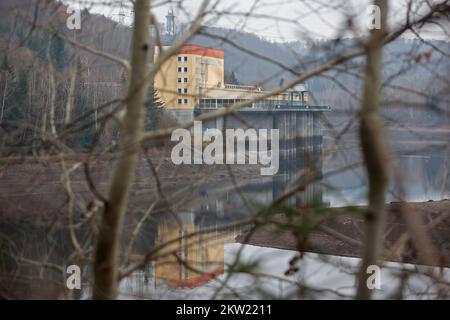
pixel 41 73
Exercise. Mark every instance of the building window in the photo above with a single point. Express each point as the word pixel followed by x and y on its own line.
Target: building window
pixel 182 90
pixel 182 101
pixel 185 80
pixel 185 59
pixel 182 69
pixel 182 59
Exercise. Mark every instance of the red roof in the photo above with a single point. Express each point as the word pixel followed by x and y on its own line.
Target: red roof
pixel 198 281
pixel 202 51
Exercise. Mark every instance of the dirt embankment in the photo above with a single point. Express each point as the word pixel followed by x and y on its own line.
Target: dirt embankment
pixel 344 236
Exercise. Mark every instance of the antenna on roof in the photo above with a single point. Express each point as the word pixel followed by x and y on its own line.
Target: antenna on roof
pixel 170 23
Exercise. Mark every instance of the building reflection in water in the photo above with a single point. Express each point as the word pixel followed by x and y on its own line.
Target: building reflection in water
pixel 188 262
pixel 199 259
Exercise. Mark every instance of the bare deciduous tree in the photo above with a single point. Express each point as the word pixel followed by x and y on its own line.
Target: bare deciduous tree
pixel 375 151
pixel 85 182
pixel 131 131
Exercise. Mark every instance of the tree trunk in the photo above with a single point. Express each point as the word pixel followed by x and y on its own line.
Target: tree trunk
pixel 107 250
pixel 71 93
pixel 4 98
pixel 375 153
pixel 52 89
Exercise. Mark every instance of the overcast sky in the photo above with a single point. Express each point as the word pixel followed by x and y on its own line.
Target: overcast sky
pixel 276 20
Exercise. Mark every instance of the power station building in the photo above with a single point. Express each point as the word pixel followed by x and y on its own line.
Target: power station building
pixel 195 78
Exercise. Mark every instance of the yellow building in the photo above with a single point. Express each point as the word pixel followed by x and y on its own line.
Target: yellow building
pixel 195 78
pixel 179 80
pixel 200 258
